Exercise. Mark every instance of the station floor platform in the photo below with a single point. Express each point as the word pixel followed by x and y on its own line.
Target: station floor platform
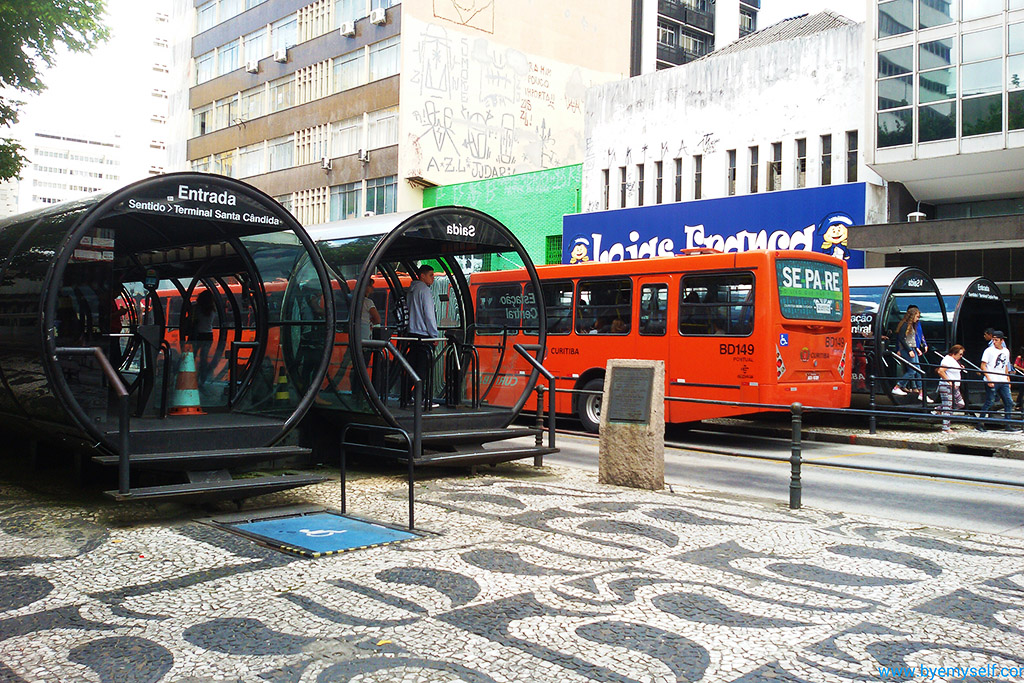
pixel 521 574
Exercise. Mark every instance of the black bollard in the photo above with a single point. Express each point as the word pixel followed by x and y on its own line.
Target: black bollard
pixel 872 418
pixel 794 459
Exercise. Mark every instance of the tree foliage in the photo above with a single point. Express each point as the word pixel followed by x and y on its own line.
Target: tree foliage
pixel 31 33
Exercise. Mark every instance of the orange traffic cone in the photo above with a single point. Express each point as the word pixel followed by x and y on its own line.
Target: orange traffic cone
pixel 186 390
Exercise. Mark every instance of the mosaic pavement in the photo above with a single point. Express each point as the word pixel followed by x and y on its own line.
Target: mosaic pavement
pixel 528 578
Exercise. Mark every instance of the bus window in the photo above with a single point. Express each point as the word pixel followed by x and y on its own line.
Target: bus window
pixel 653 309
pixel 557 305
pixel 604 307
pixel 498 307
pixel 717 305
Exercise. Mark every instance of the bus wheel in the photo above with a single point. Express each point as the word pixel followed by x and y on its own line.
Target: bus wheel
pixel 588 406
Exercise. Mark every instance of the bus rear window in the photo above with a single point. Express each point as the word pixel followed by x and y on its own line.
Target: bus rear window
pixel 721 304
pixel 810 290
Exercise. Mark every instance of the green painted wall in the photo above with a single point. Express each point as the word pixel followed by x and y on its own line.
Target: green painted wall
pixel 530 204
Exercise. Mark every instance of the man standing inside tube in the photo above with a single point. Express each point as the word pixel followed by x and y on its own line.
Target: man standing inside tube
pixel 422 326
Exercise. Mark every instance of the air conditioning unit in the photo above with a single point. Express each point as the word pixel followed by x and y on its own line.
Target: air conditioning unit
pixel 281 54
pixel 378 16
pixel 252 66
pixel 364 156
pixel 325 163
pixel 348 28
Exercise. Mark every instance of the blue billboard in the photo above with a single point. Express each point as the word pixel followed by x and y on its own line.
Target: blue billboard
pixel 812 219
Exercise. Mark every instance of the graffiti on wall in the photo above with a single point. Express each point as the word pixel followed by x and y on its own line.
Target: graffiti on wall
pixel 478 14
pixel 485 110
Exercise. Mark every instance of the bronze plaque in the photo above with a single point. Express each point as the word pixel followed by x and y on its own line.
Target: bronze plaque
pixel 629 395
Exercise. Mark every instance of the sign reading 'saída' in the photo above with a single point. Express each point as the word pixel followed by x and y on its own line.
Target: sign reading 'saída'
pixel 811 219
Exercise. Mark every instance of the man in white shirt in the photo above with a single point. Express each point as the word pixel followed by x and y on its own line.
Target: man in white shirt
pixel 995 366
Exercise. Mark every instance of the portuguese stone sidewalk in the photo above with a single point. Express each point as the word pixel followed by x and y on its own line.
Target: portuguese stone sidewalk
pixel 526 575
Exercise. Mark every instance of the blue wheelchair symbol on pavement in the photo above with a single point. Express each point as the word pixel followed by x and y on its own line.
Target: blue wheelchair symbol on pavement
pixel 783 339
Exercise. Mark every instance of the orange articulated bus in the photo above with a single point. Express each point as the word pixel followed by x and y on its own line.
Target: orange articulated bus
pixel 768 327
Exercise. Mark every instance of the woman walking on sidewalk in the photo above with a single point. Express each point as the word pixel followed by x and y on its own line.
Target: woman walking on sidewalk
pixel 906 338
pixel 949 385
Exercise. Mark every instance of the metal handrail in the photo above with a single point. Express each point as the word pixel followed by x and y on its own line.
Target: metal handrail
pixel 124 418
pixel 522 349
pixel 233 362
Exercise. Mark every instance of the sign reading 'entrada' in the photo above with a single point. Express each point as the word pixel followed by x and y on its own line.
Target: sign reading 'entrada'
pixel 200 202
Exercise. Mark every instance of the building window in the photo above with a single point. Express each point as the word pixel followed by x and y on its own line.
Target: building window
pixel 285 200
pixel 382 195
pixel 622 187
pixel 284 33
pixel 346 136
pixel 282 93
pixel 345 201
pixel 981 82
pixel 936 90
pixel 895 97
pixel 698 171
pixel 895 17
pixel 730 173
pixel 206 16
pixel 936 13
pixel 255 45
pixel 801 162
pixel 349 70
pixel 775 168
pixel 205 68
pixel 754 163
pixel 224 163
pixel 227 58
pixel 202 120
pixel 552 250
pixel 667 34
pixel 606 191
pixel 349 11
pixel 382 128
pixel 384 58
pixel 252 103
pixel 851 156
pixel 658 182
pixel 282 152
pixel 748 21
pixel 251 160
pixel 1015 77
pixel 826 160
pixel 679 180
pixel 226 112
pixel 697 47
pixel 639 184
pixel 975 9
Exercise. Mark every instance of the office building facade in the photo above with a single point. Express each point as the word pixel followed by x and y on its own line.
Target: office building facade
pixel 668 33
pixel 340 108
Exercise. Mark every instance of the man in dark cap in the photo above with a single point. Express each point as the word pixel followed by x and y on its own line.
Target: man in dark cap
pixel 995 366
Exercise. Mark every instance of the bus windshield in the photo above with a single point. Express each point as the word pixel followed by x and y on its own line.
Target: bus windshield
pixel 810 290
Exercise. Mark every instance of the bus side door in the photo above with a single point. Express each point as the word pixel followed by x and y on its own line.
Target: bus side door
pixel 652 340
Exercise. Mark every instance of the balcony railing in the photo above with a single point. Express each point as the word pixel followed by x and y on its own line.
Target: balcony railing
pixel 677 55
pixel 694 18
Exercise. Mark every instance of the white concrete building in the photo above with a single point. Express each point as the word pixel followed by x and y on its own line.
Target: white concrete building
pixel 777 110
pixel 65 165
pixel 672 32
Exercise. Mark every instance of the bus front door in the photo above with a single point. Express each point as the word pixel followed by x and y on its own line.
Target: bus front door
pixel 652 324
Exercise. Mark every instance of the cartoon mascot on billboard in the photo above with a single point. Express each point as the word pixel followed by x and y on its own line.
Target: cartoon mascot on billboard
pixel 835 231
pixel 580 251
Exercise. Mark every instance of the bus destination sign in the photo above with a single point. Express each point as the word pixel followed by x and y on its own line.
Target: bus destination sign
pixel 810 290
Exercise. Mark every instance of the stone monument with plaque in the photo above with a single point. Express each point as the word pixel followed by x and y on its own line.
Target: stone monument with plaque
pixel 632 446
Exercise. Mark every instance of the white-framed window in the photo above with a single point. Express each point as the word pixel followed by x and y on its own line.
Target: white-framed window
pixel 384 58
pixel 283 32
pixel 346 136
pixel 382 128
pixel 227 58
pixel 226 112
pixel 229 8
pixel 349 70
pixel 205 67
pixel 282 152
pixel 224 163
pixel 201 165
pixel 253 103
pixel 255 45
pixel 667 35
pixel 249 4
pixel 349 11
pixel 285 200
pixel 202 120
pixel 383 4
pixel 382 195
pixel 345 201
pixel 282 93
pixel 251 160
pixel 206 16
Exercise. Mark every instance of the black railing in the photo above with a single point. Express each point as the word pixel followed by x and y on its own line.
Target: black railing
pixel 124 417
pixel 522 350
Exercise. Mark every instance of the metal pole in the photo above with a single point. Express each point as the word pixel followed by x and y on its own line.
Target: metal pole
pixel 551 414
pixel 344 433
pixel 872 419
pixel 417 441
pixel 540 416
pixel 123 479
pixel 794 459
